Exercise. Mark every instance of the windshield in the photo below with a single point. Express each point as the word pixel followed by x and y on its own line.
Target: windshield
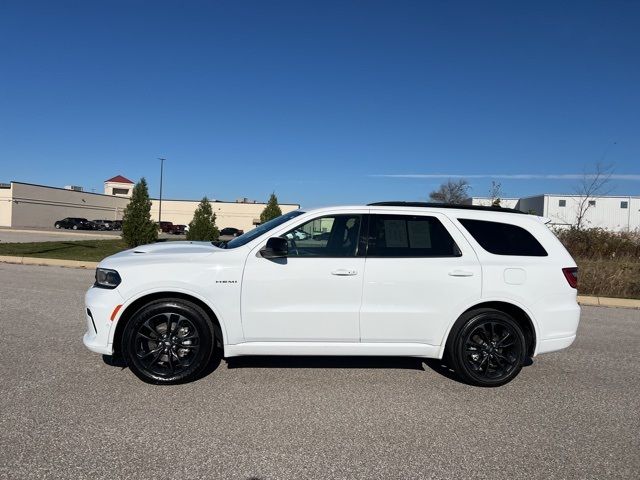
pixel 261 229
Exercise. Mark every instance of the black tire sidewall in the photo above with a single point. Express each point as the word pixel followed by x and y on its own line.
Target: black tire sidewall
pixel 456 349
pixel 199 319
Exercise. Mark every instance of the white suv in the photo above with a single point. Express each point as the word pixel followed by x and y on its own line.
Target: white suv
pixel 484 288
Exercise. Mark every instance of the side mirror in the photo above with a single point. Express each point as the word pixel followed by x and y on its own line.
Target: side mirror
pixel 276 247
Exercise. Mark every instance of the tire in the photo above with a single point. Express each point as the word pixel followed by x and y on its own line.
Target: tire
pixel 486 348
pixel 75 227
pixel 180 357
pixel 57 225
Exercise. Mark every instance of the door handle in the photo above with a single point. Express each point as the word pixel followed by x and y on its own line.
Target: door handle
pixel 344 272
pixel 461 273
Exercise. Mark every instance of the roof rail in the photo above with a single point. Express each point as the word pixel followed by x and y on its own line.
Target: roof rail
pixel 444 205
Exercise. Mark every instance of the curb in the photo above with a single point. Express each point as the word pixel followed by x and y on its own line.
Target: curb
pixel 608 302
pixel 50 262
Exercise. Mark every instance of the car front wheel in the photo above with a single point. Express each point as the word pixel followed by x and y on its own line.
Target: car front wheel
pixel 488 348
pixel 168 341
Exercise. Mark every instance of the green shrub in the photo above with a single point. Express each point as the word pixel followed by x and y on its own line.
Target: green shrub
pixel 272 210
pixel 137 226
pixel 203 226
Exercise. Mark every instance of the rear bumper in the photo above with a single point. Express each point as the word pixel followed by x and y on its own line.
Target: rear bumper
pixel 558 326
pixel 553 344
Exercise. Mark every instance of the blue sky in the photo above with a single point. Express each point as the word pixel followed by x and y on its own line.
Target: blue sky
pixel 320 101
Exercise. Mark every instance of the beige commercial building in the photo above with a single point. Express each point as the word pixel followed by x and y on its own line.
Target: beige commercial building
pixel 39 206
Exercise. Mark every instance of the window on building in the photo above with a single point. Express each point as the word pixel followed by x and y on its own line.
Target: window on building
pixel 562 203
pixel 333 236
pixel 409 236
pixel 624 204
pixel 592 203
pixel 121 191
pixel 503 238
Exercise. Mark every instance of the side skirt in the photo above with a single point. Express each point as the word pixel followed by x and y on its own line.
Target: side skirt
pixel 333 349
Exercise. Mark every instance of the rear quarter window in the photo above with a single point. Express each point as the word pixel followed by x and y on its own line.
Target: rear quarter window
pixel 503 238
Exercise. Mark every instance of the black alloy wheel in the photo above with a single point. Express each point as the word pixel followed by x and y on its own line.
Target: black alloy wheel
pixel 168 341
pixel 488 348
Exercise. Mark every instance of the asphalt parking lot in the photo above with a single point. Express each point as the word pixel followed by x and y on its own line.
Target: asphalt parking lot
pixel 64 413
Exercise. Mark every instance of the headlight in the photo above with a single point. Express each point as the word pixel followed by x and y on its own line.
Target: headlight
pixel 106 278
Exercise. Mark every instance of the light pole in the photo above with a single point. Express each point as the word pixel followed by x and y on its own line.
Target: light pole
pixel 160 203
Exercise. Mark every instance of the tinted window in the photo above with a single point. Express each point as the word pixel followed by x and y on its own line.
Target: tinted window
pixel 262 229
pixel 409 236
pixel 331 236
pixel 503 238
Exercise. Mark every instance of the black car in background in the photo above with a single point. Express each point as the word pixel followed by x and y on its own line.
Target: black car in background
pixel 229 233
pixel 103 224
pixel 75 223
pixel 116 225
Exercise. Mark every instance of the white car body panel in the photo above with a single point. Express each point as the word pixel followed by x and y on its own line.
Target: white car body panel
pixel 381 306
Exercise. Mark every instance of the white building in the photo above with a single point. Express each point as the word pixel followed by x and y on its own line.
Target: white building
pixel 611 212
pixel 487 202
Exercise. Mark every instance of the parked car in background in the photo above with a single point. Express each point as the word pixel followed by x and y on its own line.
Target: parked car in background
pixel 74 223
pixel 116 225
pixel 179 229
pixel 166 227
pixel 103 224
pixel 229 233
pixel 481 288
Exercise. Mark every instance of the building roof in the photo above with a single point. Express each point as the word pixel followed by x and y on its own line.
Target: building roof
pixel 119 179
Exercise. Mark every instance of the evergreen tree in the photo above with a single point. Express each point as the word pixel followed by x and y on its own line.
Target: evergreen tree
pixel 203 226
pixel 137 227
pixel 272 210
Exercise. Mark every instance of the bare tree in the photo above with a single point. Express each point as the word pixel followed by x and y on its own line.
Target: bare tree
pixel 591 185
pixel 451 192
pixel 495 193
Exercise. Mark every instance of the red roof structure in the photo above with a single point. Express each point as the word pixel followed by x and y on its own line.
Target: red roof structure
pixel 119 179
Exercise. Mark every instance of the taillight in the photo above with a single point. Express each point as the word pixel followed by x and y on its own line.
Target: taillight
pixel 571 274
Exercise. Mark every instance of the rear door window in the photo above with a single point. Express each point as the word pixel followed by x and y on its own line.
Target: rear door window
pixel 409 236
pixel 503 238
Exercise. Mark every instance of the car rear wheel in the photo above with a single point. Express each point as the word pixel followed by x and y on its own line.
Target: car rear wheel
pixel 488 348
pixel 57 225
pixel 168 341
pixel 75 227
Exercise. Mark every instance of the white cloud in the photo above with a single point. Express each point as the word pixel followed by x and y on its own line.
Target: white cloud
pixel 523 176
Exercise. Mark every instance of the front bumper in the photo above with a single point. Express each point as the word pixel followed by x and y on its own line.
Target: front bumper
pixel 99 304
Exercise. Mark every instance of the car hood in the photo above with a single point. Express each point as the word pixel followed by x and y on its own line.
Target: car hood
pixel 161 252
pixel 175 248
